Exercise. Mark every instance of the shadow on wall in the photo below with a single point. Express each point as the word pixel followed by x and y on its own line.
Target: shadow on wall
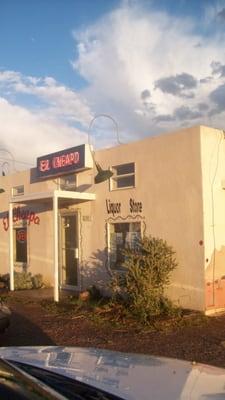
pixel 25 214
pixel 215 280
pixel 95 271
pixel 34 178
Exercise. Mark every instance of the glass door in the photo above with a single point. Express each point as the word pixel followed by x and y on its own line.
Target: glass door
pixel 69 250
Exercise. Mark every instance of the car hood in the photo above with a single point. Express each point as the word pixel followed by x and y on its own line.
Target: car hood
pixel 131 376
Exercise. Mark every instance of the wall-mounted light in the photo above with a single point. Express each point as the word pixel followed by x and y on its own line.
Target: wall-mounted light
pixel 102 175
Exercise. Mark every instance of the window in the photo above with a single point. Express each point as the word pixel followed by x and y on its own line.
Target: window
pixel 20 245
pixel 18 190
pixel 68 182
pixel 121 236
pixel 123 176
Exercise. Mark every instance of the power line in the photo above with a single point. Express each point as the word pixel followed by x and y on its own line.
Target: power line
pixel 16 161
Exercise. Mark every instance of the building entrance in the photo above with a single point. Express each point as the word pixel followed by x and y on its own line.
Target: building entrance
pixel 69 242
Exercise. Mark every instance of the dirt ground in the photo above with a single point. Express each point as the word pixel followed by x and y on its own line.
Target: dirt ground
pixel 194 337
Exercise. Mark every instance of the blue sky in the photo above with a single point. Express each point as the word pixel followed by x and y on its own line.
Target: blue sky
pixel 38 35
pixel 153 66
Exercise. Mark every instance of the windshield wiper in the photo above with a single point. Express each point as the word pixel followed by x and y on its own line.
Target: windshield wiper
pixel 17 384
pixel 69 388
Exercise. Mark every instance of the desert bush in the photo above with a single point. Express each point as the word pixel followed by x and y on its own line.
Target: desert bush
pixel 24 280
pixel 37 281
pixel 147 271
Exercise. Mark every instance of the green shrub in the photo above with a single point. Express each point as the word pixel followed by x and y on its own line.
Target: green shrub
pixel 37 281
pixel 147 270
pixel 24 280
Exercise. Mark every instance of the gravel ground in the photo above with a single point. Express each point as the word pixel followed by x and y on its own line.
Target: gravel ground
pixel 195 338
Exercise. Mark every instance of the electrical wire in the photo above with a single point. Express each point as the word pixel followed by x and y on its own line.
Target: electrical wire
pixel 16 161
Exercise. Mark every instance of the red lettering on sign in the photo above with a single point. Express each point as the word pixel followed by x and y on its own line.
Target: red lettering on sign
pixel 66 159
pixel 76 157
pixel 6 223
pixel 24 215
pixel 44 165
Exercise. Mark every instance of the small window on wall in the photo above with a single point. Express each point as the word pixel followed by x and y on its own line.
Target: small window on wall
pixel 121 236
pixel 20 253
pixel 123 176
pixel 18 190
pixel 68 182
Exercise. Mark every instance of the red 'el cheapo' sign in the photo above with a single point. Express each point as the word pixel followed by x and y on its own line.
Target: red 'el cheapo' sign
pixel 21 235
pixel 20 214
pixel 62 162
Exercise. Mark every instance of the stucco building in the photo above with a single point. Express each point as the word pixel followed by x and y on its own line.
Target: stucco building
pixel 56 221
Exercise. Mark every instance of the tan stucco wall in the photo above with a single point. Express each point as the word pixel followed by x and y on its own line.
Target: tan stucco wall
pixel 40 236
pixel 168 183
pixel 40 247
pixel 213 173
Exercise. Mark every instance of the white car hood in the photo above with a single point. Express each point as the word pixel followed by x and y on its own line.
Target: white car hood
pixel 130 376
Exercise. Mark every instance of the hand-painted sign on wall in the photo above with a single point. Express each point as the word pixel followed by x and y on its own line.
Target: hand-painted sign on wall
pixel 135 206
pixel 61 162
pixel 20 214
pixel 115 207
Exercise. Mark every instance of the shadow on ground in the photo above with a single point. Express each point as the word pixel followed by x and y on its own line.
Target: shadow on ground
pixel 24 329
pixel 23 332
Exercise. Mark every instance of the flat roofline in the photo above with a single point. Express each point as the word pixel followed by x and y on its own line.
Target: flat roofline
pixel 158 135
pixel 61 194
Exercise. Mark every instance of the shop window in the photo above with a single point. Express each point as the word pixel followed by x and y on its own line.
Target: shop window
pixel 20 254
pixel 121 236
pixel 123 176
pixel 18 190
pixel 68 182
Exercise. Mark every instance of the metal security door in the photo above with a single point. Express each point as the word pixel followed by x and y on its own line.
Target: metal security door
pixel 69 250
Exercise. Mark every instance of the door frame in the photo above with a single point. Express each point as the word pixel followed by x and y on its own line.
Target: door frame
pixel 61 215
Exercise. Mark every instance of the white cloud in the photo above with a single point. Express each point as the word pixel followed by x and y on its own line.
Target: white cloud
pixel 131 48
pixel 11 77
pixel 61 101
pixel 39 127
pixel 28 135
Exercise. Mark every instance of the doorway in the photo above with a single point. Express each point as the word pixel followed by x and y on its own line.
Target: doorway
pixel 69 254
